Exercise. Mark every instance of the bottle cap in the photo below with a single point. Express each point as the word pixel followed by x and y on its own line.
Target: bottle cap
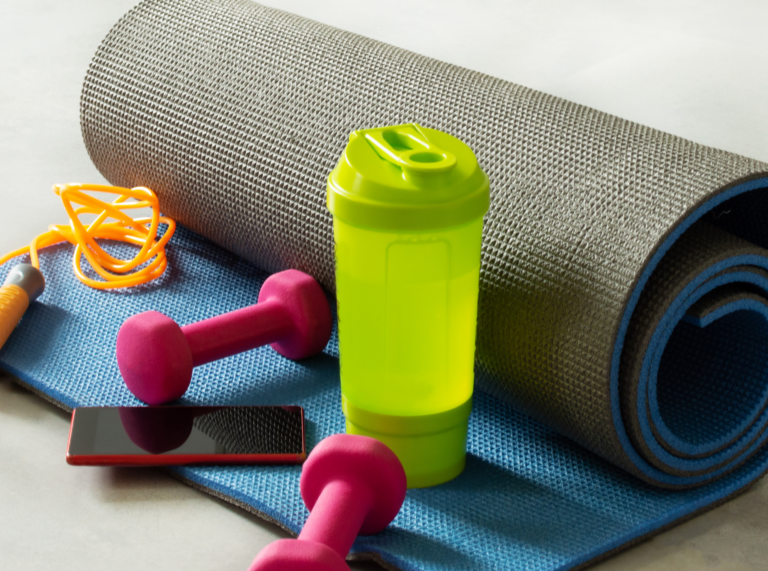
pixel 405 178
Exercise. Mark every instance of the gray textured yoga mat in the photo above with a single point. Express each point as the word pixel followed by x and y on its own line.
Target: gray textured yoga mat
pixel 623 285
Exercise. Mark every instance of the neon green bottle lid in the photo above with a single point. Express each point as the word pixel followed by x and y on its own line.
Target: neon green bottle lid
pixel 407 177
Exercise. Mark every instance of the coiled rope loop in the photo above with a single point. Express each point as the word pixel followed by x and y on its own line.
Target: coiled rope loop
pixel 111 223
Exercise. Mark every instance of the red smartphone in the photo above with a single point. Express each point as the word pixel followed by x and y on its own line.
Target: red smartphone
pixel 175 435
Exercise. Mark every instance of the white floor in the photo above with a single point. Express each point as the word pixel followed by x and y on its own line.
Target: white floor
pixel 695 68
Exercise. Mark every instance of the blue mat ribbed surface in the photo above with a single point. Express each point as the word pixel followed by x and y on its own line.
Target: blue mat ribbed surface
pixel 528 499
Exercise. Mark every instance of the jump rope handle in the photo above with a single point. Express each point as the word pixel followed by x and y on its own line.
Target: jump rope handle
pixel 22 286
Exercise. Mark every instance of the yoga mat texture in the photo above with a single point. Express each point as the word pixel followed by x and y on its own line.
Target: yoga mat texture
pixel 623 287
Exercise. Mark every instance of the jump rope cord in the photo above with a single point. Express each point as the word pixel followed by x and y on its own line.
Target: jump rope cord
pixel 111 223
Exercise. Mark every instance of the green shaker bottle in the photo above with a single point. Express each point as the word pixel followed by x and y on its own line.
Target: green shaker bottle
pixel 408 205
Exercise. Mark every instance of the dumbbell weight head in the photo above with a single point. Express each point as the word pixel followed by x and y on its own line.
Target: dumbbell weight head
pixel 363 462
pixel 295 555
pixel 308 308
pixel 154 357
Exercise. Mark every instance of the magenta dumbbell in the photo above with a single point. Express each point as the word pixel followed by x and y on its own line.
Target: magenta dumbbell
pixel 351 485
pixel 156 356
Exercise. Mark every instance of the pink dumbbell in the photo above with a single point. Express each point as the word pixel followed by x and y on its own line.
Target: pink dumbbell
pixel 351 485
pixel 156 356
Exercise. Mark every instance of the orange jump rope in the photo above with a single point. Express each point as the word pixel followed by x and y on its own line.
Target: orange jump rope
pixel 25 282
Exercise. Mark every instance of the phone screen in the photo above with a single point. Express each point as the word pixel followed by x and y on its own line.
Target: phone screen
pixel 165 435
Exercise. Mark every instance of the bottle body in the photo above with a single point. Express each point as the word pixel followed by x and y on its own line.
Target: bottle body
pixel 408 205
pixel 407 307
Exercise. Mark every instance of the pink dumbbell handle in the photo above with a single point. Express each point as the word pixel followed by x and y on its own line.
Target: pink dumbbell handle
pixel 241 330
pixel 337 516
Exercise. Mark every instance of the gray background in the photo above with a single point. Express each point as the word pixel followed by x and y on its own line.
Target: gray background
pixel 695 69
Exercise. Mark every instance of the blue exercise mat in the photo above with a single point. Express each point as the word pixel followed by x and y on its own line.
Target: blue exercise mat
pixel 528 499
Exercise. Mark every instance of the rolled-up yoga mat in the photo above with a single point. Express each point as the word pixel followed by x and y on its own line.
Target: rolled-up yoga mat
pixel 623 287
